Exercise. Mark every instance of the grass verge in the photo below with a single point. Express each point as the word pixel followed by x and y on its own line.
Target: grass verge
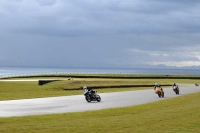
pixel 176 115
pixel 23 90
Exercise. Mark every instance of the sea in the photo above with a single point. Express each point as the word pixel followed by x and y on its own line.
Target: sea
pixel 29 71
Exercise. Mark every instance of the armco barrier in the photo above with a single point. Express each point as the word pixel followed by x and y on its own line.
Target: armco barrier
pixel 42 82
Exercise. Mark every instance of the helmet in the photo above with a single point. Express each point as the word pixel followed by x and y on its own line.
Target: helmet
pixel 85 87
pixel 156 84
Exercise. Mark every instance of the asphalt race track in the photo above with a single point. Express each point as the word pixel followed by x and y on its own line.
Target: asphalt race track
pixel 77 103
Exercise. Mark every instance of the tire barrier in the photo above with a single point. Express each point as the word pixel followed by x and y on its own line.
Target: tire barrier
pixel 42 82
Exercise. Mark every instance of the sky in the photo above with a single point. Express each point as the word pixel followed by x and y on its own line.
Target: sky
pixel 100 33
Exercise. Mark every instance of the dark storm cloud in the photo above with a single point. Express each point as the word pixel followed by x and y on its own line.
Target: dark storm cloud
pixel 92 17
pixel 112 33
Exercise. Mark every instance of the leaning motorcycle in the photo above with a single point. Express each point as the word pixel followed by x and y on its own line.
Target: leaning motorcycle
pixel 159 91
pixel 89 96
pixel 176 89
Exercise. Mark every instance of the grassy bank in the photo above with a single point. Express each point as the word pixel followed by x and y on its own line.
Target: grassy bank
pixel 24 90
pixel 21 90
pixel 176 115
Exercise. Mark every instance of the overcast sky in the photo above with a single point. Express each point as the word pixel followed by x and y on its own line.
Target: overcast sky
pixel 100 33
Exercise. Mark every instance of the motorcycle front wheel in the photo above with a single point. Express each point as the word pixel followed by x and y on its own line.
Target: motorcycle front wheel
pixel 98 98
pixel 88 99
pixel 163 94
pixel 159 94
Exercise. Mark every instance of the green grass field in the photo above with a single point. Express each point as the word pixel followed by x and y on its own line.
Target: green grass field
pixel 31 89
pixel 176 115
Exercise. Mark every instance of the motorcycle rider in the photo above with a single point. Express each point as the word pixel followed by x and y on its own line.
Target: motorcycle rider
pixel 157 85
pixel 89 91
pixel 174 85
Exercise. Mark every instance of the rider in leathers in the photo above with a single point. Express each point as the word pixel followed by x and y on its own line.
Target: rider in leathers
pixel 176 86
pixel 89 91
pixel 157 85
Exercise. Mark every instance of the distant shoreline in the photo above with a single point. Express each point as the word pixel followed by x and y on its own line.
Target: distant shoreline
pixel 20 71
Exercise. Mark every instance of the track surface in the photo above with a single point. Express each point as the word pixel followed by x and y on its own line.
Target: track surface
pixel 53 105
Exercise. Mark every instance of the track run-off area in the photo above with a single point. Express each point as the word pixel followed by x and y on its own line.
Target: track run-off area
pixel 77 103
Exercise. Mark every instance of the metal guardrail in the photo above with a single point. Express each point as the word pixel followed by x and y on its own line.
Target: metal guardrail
pixel 52 73
pixel 26 74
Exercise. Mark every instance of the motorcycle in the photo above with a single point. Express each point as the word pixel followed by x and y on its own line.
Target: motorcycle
pixel 92 96
pixel 159 91
pixel 176 89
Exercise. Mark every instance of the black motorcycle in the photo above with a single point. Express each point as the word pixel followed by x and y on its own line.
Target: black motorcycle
pixel 176 89
pixel 92 96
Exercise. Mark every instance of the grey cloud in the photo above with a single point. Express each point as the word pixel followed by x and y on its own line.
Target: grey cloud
pixel 100 17
pixel 46 2
pixel 98 33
